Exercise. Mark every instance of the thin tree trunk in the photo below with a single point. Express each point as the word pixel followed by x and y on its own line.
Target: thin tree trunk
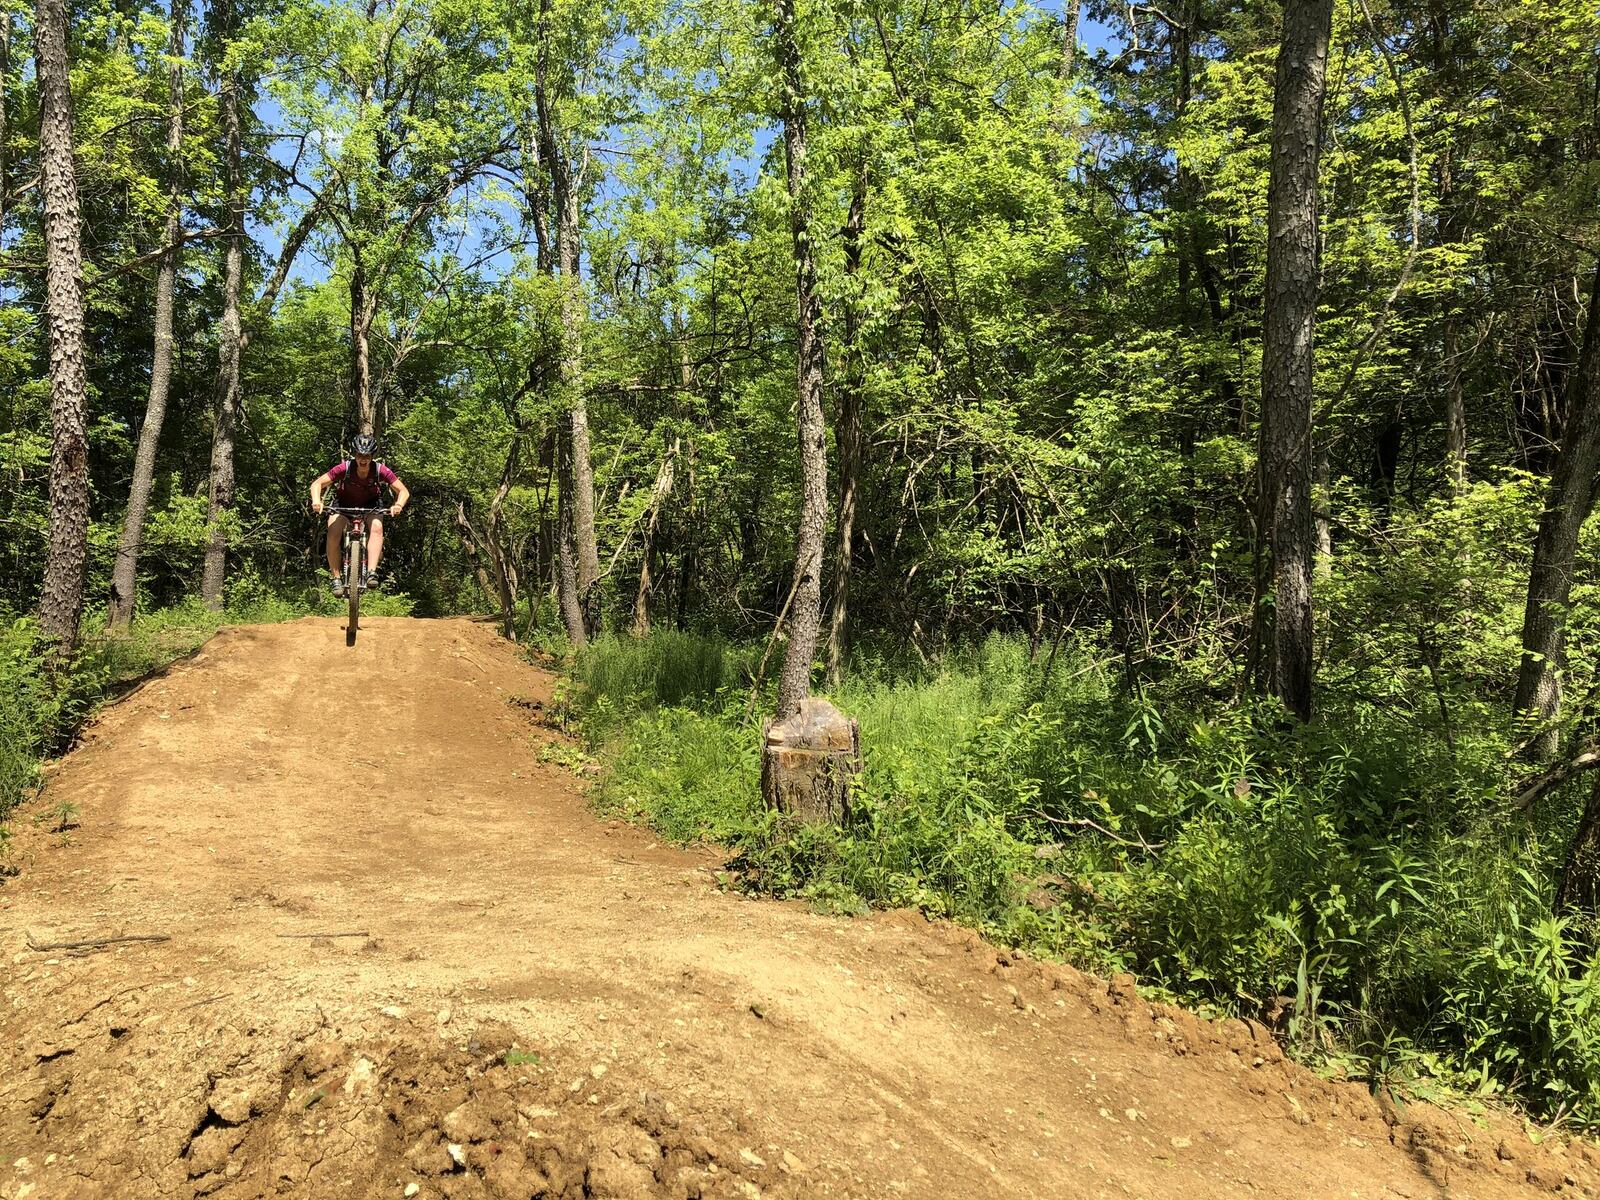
pixel 229 339
pixel 5 113
pixel 805 622
pixel 1568 500
pixel 61 604
pixel 361 318
pixel 658 497
pixel 1455 393
pixel 125 572
pixel 1285 522
pixel 847 433
pixel 1069 37
pixel 471 544
pixel 1455 411
pixel 567 588
pixel 1322 501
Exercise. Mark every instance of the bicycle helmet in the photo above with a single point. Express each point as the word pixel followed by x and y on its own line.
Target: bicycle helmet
pixel 365 444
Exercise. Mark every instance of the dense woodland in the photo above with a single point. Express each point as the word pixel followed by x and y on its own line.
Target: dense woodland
pixel 1173 429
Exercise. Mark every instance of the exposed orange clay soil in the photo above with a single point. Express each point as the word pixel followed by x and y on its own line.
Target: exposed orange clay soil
pixel 531 1002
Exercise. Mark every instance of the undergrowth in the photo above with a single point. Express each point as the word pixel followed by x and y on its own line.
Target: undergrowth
pixel 1355 885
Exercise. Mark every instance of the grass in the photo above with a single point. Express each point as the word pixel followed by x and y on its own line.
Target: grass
pixel 1329 878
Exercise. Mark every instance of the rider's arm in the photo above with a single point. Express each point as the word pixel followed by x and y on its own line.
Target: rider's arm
pixel 317 484
pixel 402 496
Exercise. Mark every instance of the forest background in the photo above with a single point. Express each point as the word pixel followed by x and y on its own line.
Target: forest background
pixel 1178 648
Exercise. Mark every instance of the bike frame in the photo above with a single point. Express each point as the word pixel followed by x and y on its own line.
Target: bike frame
pixel 354 561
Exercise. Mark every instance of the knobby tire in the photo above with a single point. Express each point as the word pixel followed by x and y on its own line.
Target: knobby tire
pixel 353 559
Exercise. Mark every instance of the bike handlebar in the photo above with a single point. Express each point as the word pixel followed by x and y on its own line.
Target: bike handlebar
pixel 341 510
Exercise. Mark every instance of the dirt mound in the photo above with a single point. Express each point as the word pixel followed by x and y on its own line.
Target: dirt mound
pixel 400 954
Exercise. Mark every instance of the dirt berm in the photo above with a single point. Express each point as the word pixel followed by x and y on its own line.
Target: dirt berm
pixel 509 998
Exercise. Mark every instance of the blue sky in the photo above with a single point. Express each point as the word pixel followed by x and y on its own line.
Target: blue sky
pixel 309 266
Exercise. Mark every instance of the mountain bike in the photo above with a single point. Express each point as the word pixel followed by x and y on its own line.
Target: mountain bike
pixel 353 560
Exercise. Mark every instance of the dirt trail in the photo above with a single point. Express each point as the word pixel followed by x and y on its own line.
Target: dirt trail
pixel 541 1004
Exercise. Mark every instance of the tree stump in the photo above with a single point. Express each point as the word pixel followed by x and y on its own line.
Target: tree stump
pixel 809 761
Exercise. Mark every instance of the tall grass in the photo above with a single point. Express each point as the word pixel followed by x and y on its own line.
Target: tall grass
pixel 1332 880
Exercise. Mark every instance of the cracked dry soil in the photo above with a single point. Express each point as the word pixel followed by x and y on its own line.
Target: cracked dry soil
pixel 534 1003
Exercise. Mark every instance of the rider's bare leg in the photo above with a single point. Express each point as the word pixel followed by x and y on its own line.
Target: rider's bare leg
pixel 336 527
pixel 374 543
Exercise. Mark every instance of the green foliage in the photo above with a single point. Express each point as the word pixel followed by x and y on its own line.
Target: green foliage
pixel 1320 878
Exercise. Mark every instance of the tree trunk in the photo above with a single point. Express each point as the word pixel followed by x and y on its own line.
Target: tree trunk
pixel 1069 38
pixel 805 621
pixel 564 190
pixel 61 603
pixel 5 114
pixel 1579 888
pixel 1568 499
pixel 568 594
pixel 1284 523
pixel 1455 396
pixel 847 432
pixel 125 573
pixel 658 497
pixel 1322 513
pixel 361 318
pixel 229 343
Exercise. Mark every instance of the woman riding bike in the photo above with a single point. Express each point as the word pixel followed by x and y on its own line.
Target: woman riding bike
pixel 358 483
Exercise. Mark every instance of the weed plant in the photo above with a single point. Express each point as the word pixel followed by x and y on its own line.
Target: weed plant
pixel 1354 884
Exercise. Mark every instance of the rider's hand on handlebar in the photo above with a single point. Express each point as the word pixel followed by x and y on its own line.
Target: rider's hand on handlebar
pixel 316 507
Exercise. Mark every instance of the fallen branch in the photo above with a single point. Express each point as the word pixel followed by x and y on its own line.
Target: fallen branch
pixel 1086 823
pixel 352 933
pixel 1553 777
pixel 96 943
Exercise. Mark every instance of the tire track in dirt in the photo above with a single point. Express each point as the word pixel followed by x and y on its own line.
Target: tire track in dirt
pixel 542 1004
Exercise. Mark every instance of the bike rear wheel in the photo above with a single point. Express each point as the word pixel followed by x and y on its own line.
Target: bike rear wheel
pixel 355 552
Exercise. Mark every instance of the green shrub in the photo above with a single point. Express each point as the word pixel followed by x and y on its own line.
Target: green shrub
pixel 1352 878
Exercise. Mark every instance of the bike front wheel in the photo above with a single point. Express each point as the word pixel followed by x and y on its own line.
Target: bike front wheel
pixel 352 580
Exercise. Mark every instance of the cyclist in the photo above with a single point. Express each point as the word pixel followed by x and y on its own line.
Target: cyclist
pixel 358 483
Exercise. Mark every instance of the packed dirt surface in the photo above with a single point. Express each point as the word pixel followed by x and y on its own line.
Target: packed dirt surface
pixel 401 958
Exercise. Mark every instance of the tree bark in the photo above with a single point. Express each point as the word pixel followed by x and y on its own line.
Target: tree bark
pixel 1455 392
pixel 362 314
pixel 847 432
pixel 567 590
pixel 125 572
pixel 1069 38
pixel 1568 500
pixel 61 602
pixel 5 114
pixel 805 622
pixel 1579 887
pixel 565 186
pixel 658 497
pixel 1285 521
pixel 229 342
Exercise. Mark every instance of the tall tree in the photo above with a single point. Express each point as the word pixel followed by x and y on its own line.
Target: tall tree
pixel 1284 525
pixel 61 604
pixel 125 572
pixel 805 616
pixel 566 183
pixel 1569 498
pixel 226 410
